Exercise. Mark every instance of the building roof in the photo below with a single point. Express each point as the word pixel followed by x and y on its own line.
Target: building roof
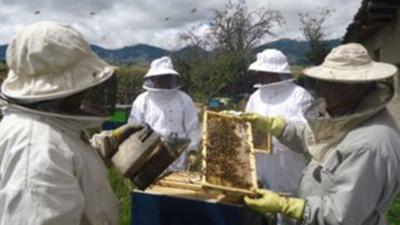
pixel 372 15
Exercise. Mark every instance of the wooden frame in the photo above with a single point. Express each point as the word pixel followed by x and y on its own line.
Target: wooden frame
pixel 264 145
pixel 243 130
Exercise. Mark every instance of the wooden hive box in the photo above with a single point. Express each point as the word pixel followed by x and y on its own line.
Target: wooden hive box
pixel 228 155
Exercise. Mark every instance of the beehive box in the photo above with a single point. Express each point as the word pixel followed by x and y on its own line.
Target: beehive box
pixel 228 156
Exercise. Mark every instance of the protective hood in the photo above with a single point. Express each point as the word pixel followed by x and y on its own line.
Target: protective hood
pixel 326 132
pixel 161 66
pixel 49 60
pixel 274 85
pixel 162 96
pixel 350 63
pixel 271 60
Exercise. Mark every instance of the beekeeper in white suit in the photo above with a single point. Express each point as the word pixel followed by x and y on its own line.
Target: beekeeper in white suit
pixel 353 141
pixel 277 95
pixel 167 109
pixel 49 173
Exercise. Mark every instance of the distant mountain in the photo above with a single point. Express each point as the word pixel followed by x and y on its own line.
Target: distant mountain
pixel 140 53
pixel 191 51
pixel 143 54
pixel 102 52
pixel 293 49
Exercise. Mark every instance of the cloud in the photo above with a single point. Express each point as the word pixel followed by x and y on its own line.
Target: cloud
pixel 118 23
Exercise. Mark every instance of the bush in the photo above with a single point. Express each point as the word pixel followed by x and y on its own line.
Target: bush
pixel 218 75
pixel 394 212
pixel 129 83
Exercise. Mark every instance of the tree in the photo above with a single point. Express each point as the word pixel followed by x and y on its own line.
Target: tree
pixel 312 27
pixel 129 82
pixel 235 28
pixel 233 32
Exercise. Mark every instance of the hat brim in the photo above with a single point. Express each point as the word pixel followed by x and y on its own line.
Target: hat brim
pixel 268 70
pixel 374 72
pixel 160 72
pixel 81 77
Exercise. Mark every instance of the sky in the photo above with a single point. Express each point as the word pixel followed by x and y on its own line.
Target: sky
pixel 114 24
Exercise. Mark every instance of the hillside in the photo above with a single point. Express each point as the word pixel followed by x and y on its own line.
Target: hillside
pixel 143 54
pixel 140 53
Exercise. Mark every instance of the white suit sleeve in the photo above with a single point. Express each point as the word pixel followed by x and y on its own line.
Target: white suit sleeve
pixel 355 185
pixel 137 112
pixel 293 136
pixel 191 123
pixel 294 132
pixel 303 102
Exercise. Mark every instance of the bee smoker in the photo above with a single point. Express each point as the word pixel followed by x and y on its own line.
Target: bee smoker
pixel 144 155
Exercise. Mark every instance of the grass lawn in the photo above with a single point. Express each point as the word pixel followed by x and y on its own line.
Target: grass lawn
pixel 121 189
pixel 394 213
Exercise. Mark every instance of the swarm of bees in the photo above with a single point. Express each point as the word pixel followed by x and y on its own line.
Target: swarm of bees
pixel 224 166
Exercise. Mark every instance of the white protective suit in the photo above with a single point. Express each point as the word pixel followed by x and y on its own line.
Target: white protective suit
pixel 354 174
pixel 169 111
pixel 49 173
pixel 280 171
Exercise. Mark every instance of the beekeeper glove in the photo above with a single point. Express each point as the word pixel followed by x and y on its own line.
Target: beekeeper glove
pixel 272 202
pixel 273 125
pixel 107 142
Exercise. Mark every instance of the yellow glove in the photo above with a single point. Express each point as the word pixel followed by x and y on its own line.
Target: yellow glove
pixel 273 125
pixel 271 202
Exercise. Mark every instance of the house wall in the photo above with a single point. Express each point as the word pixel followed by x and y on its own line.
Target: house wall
pixel 387 42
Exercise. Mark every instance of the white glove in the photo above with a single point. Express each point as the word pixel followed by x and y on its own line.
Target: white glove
pixel 106 145
pixel 107 142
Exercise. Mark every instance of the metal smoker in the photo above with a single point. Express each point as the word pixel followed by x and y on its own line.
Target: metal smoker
pixel 144 156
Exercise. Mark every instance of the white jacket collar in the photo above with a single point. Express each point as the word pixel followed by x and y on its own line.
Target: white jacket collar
pixel 326 132
pixel 84 121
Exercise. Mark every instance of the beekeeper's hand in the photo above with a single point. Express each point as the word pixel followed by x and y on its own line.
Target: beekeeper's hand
pixel 272 202
pixel 273 125
pixel 107 142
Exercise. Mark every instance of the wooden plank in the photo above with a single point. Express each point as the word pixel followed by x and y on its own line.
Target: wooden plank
pixel 253 169
pixel 200 195
pixel 180 185
pixel 205 144
pixel 228 190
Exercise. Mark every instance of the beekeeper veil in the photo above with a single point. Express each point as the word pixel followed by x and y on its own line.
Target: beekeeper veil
pixel 52 68
pixel 270 62
pixel 161 76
